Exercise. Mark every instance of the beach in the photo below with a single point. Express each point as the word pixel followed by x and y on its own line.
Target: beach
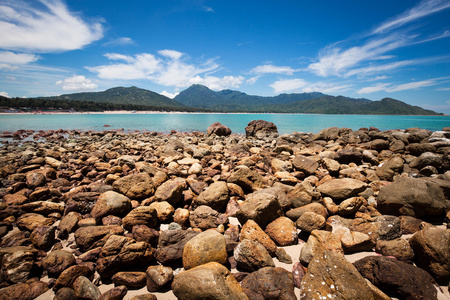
pixel 110 213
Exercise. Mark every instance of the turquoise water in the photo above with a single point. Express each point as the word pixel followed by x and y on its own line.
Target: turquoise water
pixel 286 123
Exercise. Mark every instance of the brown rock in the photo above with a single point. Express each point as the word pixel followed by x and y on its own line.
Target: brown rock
pixel 144 297
pixel 218 129
pixel 251 256
pixel 171 191
pixel 57 261
pixel 24 291
pixel 305 164
pixel 135 186
pixel 215 196
pixel 141 215
pixel 69 275
pixel 318 240
pixel 398 248
pixel 262 208
pixel 350 206
pixel 261 129
pixel 171 244
pixel 302 194
pixel 85 289
pixel 164 210
pixel 117 293
pixel 208 246
pixel 141 233
pixel 95 236
pixel 247 179
pixel 252 231
pixel 283 231
pixel 204 217
pixel 298 271
pixel 111 203
pixel 158 277
pixel 130 279
pixel 68 223
pixel 342 188
pixel 43 237
pixel 31 221
pixel 269 283
pixel 181 217
pixel 209 281
pixel 353 241
pixel 65 293
pixel 314 207
pixel 410 224
pixel 17 265
pixel 310 221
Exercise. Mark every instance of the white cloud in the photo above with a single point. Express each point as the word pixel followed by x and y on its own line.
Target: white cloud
pixel 424 8
pixel 411 85
pixel 373 89
pixel 271 69
pixel 4 94
pixel 169 95
pixel 17 58
pixel 325 87
pixel 252 80
pixel 122 41
pixel 444 89
pixel 77 83
pixel 169 68
pixel 288 85
pixel 46 26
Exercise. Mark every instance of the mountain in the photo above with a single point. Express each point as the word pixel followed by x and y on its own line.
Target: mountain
pixel 122 95
pixel 228 100
pixel 313 103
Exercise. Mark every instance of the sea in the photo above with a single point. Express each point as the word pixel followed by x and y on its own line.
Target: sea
pixel 188 122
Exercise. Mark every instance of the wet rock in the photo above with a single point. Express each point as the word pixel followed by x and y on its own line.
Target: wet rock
pixel 411 197
pixel 215 196
pixel 261 129
pixel 342 188
pixel 158 278
pixel 204 217
pixel 218 129
pixel 431 248
pixel 171 244
pixel 209 281
pixel 130 279
pixel 269 283
pixel 260 207
pixel 57 261
pixel 111 203
pixel 208 246
pixel 251 256
pixel 396 278
pixel 331 275
pixel 141 215
pixel 95 236
pixel 135 186
pixel 85 289
pixel 283 231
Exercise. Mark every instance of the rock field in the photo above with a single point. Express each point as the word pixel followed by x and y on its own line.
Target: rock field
pixel 342 214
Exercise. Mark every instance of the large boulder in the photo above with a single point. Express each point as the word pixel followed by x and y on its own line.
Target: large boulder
pixel 208 281
pixel 330 275
pixel 431 248
pixel 269 283
pixel 342 188
pixel 396 278
pixel 261 129
pixel 218 129
pixel 411 197
pixel 262 208
pixel 208 246
pixel 135 186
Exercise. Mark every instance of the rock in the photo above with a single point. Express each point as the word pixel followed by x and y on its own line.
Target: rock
pixel 410 224
pixel 251 256
pixel 135 186
pixel 261 129
pixel 260 207
pixel 298 271
pixel 396 278
pixel 353 241
pixel 411 197
pixel 208 246
pixel 269 283
pixel 302 194
pixel 144 297
pixel 31 221
pixel 330 275
pixel 314 207
pixel 57 261
pixel 181 217
pixel 43 207
pixel 111 220
pixel 16 266
pixel 164 210
pixel 431 248
pixel 350 206
pixel 135 280
pixel 111 203
pixel 65 293
pixel 398 248
pixel 378 228
pixel 85 289
pixel 204 217
pixel 158 277
pixel 305 164
pixel 95 236
pixel 318 240
pixel 43 237
pixel 283 257
pixel 171 191
pixel 349 155
pixel 252 231
pixel 141 215
pixel 69 275
pixel 209 281
pixel 117 293
pixel 215 196
pixel 23 291
pixel 218 129
pixel 310 221
pixel 427 159
pixel 247 179
pixel 279 165
pixel 35 179
pixel 388 169
pixel 283 231
pixel 342 188
pixel 171 244
pixel 327 134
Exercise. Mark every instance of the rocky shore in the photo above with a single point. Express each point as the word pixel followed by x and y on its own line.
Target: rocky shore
pixel 342 214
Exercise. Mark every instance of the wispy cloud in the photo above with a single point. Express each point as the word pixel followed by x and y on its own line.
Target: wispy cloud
pixel 288 85
pixel 271 69
pixel 169 95
pixel 121 41
pixel 4 94
pixel 423 9
pixel 77 83
pixel 300 85
pixel 10 60
pixel 44 26
pixel 167 68
pixel 390 88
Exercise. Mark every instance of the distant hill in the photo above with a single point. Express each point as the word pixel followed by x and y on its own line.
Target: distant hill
pixel 122 95
pixel 313 103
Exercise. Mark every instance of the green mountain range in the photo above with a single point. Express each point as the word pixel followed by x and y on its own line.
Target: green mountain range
pixel 201 98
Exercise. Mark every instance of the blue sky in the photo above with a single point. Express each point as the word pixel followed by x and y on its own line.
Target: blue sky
pixel 362 49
